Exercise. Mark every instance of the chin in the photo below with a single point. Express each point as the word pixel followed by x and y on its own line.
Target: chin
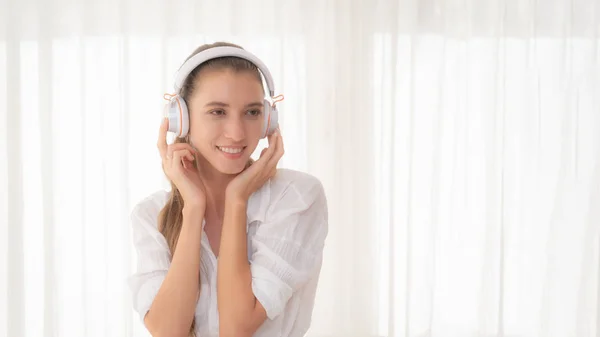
pixel 231 163
pixel 231 167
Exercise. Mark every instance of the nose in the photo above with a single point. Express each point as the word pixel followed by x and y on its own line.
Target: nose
pixel 235 129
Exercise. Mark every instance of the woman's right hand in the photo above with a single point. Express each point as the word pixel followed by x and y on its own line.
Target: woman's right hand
pixel 178 164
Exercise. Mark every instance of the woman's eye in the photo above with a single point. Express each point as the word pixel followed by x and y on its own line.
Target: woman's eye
pixel 254 113
pixel 217 112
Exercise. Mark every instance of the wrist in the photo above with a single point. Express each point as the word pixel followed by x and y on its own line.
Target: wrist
pixel 193 211
pixel 194 203
pixel 235 201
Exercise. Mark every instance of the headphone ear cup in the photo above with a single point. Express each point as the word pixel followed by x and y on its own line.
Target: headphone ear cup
pixel 274 120
pixel 266 117
pixel 271 119
pixel 177 112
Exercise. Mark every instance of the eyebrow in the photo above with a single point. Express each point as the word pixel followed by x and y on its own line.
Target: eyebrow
pixel 225 105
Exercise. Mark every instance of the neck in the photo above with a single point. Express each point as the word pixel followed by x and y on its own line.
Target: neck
pixel 215 183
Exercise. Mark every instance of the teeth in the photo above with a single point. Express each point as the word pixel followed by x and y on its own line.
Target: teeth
pixel 231 149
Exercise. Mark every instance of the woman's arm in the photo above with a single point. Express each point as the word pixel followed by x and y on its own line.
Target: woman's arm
pixel 173 308
pixel 240 314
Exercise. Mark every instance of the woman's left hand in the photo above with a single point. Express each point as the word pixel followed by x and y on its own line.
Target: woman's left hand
pixel 257 174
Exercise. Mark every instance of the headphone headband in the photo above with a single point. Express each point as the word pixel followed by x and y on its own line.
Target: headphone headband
pixel 217 52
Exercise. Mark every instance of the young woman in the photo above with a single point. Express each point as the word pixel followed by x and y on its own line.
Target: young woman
pixel 235 248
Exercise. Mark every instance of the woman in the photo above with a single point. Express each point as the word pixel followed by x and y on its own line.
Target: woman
pixel 235 248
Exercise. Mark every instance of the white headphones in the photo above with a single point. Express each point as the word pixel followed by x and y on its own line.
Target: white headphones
pixel 177 110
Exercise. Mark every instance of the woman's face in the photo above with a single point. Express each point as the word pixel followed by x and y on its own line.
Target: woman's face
pixel 226 118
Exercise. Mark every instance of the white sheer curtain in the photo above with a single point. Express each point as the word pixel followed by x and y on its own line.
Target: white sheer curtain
pixel 458 142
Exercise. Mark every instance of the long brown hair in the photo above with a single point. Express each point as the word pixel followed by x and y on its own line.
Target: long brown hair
pixel 170 218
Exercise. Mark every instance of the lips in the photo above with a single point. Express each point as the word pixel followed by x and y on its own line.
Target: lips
pixel 231 152
pixel 231 149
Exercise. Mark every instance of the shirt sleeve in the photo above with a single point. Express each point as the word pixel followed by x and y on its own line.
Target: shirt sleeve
pixel 287 247
pixel 153 257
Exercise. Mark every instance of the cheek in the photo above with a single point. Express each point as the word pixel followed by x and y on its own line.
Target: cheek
pixel 202 127
pixel 254 137
pixel 199 136
pixel 256 128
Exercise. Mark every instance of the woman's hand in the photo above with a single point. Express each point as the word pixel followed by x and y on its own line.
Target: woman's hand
pixel 253 177
pixel 178 164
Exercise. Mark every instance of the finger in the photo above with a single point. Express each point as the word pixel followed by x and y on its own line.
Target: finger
pixel 281 149
pixel 278 152
pixel 273 138
pixel 272 146
pixel 264 157
pixel 180 156
pixel 188 161
pixel 268 152
pixel 179 146
pixel 162 137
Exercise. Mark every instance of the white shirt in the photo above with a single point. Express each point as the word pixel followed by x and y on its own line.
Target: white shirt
pixel 286 229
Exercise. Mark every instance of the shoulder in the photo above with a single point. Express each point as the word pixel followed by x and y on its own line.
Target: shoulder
pixel 289 191
pixel 291 184
pixel 292 199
